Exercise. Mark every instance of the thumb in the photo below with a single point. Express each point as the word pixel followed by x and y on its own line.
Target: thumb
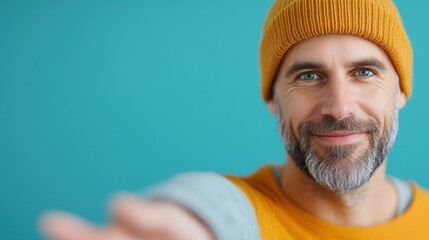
pixel 157 218
pixel 140 216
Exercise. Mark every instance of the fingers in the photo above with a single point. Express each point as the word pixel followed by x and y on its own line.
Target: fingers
pixel 134 218
pixel 62 226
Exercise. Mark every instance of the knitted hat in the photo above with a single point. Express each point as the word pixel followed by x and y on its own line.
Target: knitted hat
pixel 291 21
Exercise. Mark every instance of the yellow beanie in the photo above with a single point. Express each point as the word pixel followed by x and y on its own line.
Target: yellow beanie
pixel 291 21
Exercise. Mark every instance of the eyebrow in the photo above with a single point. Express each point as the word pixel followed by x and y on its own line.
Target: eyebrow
pixel 369 62
pixel 302 65
pixel 354 64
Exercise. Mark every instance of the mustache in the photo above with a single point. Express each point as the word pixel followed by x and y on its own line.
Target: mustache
pixel 329 124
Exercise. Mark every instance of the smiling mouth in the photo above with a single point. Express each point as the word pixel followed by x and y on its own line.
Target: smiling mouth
pixel 340 138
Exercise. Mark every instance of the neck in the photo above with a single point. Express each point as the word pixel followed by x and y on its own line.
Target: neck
pixel 373 203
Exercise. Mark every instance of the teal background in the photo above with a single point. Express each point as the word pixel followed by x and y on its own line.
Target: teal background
pixel 101 96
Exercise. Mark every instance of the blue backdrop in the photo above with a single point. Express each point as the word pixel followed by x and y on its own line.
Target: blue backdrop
pixel 100 96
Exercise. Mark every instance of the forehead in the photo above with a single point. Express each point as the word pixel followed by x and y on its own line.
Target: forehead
pixel 335 48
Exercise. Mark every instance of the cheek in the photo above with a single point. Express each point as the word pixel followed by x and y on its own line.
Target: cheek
pixel 297 109
pixel 379 103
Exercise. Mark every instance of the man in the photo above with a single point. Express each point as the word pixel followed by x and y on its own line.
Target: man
pixel 335 73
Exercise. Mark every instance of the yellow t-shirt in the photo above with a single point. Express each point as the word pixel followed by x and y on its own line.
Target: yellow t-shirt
pixel 280 219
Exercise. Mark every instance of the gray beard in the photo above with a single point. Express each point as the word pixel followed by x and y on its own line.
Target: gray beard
pixel 339 168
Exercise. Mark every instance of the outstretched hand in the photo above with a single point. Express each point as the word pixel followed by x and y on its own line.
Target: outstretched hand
pixel 133 219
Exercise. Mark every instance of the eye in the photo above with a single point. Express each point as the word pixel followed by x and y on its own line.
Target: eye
pixel 364 73
pixel 308 76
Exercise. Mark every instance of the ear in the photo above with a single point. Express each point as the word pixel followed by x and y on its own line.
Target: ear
pixel 272 107
pixel 400 102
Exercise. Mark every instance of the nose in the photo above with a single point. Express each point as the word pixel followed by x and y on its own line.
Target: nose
pixel 338 100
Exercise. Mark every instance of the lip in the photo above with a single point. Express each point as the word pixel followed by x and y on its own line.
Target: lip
pixel 340 138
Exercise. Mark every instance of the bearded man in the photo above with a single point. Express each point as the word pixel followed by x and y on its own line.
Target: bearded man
pixel 335 73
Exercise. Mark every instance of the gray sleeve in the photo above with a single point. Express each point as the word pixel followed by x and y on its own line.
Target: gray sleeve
pixel 405 194
pixel 215 200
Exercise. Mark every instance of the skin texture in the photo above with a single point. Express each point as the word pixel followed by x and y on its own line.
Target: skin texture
pixel 335 86
pixel 339 92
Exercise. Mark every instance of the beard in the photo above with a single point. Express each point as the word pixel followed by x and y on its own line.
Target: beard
pixel 339 168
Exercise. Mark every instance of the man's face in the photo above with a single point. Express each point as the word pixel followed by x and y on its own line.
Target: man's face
pixel 337 98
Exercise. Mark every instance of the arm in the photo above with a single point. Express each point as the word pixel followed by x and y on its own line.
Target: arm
pixel 215 200
pixel 189 206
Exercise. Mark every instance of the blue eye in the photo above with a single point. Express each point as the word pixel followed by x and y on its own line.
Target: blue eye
pixel 364 73
pixel 309 76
